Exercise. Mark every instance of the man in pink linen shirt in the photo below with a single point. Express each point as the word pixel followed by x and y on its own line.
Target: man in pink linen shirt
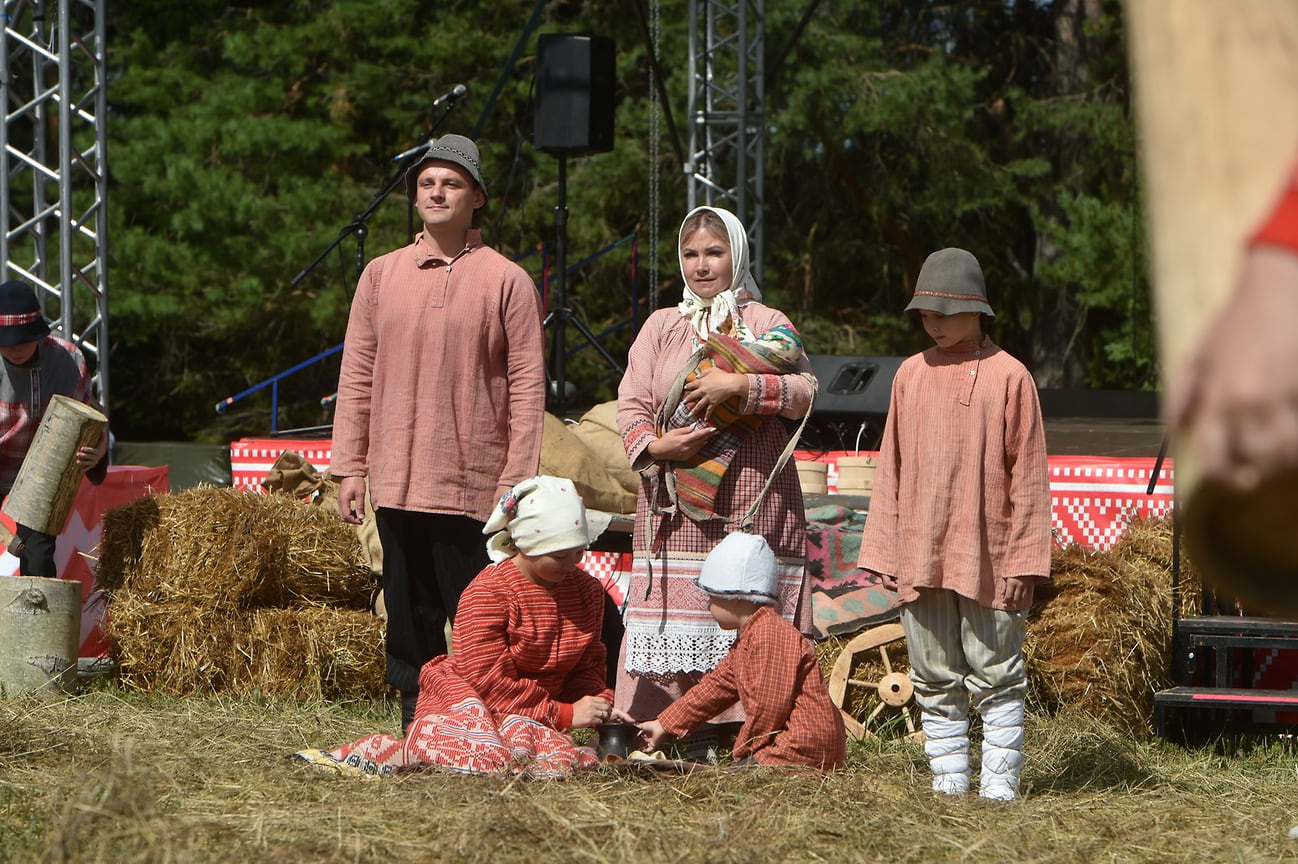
pixel 441 401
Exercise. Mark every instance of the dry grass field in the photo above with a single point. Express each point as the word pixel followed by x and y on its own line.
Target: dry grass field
pixel 116 776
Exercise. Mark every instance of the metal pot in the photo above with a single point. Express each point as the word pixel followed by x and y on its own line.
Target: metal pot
pixel 617 739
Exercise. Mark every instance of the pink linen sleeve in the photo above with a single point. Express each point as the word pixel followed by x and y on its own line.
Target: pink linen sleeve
pixel 522 313
pixel 635 402
pixel 788 395
pixel 880 538
pixel 351 431
pixel 1028 475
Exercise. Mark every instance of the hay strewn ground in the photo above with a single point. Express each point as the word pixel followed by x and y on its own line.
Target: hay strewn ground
pixel 114 776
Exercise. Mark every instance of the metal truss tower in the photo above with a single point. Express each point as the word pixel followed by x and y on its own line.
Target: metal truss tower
pixel 727 112
pixel 53 210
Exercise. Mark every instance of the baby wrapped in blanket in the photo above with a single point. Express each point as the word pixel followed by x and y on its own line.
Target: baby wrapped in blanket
pixel 778 351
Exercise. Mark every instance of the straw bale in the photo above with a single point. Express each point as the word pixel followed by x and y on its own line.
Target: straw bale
pixel 123 530
pixel 1100 635
pixel 188 649
pixel 230 549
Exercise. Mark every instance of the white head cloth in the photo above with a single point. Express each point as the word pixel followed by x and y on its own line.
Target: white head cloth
pixel 538 516
pixel 709 315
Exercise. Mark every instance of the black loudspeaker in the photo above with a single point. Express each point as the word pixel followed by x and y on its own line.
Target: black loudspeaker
pixel 575 76
pixel 851 401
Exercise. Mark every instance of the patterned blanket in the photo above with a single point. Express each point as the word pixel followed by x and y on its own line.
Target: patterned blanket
pixel 463 736
pixel 776 352
pixel 843 598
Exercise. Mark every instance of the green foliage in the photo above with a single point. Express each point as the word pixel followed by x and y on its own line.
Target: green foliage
pixel 247 138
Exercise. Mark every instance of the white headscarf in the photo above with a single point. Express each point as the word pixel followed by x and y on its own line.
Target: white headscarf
pixel 538 516
pixel 709 315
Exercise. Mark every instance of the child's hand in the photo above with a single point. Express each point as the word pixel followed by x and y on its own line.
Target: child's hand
pixel 88 457
pixel 620 716
pixel 590 711
pixel 654 734
pixel 885 579
pixel 1017 589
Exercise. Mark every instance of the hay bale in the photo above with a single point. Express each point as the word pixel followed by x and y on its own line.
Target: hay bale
pixel 1100 635
pixel 305 653
pixel 121 541
pixel 229 549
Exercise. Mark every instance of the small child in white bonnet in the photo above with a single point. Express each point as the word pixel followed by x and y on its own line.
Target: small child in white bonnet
pixel 771 670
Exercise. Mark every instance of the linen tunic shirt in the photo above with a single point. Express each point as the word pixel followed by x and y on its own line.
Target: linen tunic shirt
pixel 441 396
pixel 772 670
pixel 523 648
pixel 962 493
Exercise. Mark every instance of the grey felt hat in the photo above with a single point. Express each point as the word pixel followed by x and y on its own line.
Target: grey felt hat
pixel 950 282
pixel 455 149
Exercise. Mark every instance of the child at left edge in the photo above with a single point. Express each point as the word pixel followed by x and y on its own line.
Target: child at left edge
pixel 771 670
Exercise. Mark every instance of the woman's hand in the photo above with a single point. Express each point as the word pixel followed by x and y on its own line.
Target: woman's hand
pixel 653 733
pixel 590 711
pixel 88 457
pixel 677 445
pixel 711 388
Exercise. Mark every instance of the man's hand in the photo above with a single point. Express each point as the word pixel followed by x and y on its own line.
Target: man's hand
pixel 1237 394
pixel 351 500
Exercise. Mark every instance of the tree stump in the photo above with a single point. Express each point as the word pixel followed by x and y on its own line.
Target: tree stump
pixel 48 479
pixel 40 633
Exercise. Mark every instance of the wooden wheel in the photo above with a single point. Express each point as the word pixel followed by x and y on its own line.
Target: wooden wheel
pixel 873 693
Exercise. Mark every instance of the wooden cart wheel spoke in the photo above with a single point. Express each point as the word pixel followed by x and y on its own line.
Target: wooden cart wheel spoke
pixel 871 667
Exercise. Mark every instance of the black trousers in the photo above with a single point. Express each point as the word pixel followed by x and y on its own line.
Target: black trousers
pixel 35 552
pixel 428 560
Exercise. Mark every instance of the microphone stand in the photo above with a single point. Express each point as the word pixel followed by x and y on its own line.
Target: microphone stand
pixel 357 226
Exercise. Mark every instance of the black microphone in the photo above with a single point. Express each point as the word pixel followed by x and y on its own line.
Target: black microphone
pixel 448 98
pixel 450 95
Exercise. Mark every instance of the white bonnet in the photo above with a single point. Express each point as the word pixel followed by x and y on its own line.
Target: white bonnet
pixel 741 566
pixel 538 516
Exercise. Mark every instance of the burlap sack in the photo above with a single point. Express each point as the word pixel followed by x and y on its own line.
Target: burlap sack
pixel 292 474
pixel 598 431
pixel 565 453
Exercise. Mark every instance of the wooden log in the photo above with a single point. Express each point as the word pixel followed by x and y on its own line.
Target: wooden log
pixel 40 632
pixel 48 479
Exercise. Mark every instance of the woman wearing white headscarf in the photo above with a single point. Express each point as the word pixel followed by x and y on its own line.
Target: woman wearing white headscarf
pixel 671 639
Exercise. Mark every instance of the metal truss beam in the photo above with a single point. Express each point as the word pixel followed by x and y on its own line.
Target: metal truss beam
pixel 53 210
pixel 727 112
